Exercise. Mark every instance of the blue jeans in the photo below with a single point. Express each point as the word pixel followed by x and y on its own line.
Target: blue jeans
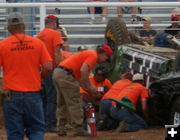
pixel 105 106
pixel 105 110
pixel 133 121
pixel 24 115
pixel 49 102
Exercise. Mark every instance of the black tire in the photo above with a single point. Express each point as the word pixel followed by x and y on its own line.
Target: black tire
pixel 176 65
pixel 116 33
pixel 175 109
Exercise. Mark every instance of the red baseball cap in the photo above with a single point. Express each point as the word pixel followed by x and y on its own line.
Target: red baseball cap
pixel 174 16
pixel 52 17
pixel 127 75
pixel 107 49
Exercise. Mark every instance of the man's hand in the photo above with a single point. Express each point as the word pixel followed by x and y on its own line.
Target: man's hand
pixel 92 90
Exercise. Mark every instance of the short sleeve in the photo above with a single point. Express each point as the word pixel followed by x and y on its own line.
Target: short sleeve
pixel 108 83
pixel 91 60
pixel 144 93
pixel 57 39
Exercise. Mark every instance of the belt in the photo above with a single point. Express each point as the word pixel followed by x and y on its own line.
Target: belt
pixel 69 71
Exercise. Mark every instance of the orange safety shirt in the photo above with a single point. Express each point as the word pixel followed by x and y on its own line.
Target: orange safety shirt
pixel 75 62
pixel 51 38
pixel 116 89
pixel 65 55
pixel 21 62
pixel 105 83
pixel 134 92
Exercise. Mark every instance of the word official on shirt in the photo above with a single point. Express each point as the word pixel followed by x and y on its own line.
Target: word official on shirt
pixel 172 132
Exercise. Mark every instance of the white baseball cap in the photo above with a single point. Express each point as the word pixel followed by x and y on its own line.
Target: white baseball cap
pixel 138 76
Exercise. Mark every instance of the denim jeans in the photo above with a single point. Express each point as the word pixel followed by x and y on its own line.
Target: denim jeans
pixel 105 106
pixel 49 102
pixel 24 115
pixel 133 121
pixel 104 111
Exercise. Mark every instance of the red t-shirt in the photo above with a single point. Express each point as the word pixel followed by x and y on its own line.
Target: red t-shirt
pixel 51 39
pixel 105 83
pixel 134 92
pixel 116 89
pixel 75 62
pixel 21 62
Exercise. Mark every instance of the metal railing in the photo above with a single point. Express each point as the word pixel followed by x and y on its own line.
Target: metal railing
pixel 43 7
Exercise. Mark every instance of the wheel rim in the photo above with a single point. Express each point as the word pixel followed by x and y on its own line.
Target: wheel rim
pixel 177 118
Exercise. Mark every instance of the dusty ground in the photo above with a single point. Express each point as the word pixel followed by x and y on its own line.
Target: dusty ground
pixel 153 133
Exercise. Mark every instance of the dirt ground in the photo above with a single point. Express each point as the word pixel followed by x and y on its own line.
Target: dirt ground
pixel 153 133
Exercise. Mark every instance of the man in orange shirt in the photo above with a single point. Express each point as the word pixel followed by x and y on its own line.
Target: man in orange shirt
pixel 68 77
pixel 105 120
pixel 124 111
pixel 21 57
pixel 53 41
pixel 65 55
pixel 102 84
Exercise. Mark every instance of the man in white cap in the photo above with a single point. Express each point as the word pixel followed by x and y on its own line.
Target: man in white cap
pixel 124 107
pixel 21 57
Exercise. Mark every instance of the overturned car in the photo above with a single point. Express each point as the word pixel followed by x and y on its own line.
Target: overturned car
pixel 159 65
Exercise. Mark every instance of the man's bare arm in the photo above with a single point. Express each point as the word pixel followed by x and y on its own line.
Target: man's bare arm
pixel 46 69
pixel 144 108
pixel 57 54
pixel 85 82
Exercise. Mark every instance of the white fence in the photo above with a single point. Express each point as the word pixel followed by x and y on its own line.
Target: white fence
pixel 44 7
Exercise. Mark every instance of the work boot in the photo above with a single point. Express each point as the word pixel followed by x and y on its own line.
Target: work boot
pixel 121 127
pixel 102 123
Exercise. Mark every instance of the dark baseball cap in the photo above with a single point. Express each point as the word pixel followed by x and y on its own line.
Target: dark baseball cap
pixel 15 18
pixel 101 70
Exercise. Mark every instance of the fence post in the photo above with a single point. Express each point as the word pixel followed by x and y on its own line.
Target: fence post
pixel 42 16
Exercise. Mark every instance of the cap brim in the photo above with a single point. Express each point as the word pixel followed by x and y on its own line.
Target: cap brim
pixel 122 103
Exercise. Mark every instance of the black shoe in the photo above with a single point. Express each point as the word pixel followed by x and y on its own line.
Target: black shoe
pixel 83 133
pixel 102 123
pixel 62 133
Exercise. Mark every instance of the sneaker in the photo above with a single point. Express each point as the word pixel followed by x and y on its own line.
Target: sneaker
pixel 82 133
pixel 68 126
pixel 62 133
pixel 102 123
pixel 92 21
pixel 121 127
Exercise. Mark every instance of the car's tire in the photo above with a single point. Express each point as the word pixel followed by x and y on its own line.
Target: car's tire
pixel 175 111
pixel 116 33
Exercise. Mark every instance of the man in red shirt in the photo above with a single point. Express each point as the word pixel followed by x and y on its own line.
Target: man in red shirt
pixel 124 110
pixel 67 77
pixel 53 41
pixel 21 57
